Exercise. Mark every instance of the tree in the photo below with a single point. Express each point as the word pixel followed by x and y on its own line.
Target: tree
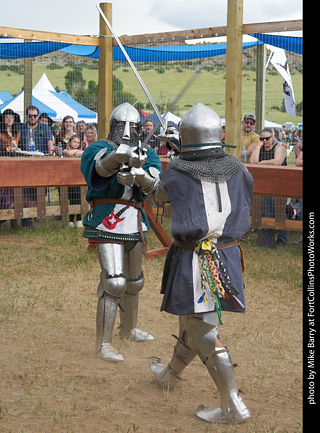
pixel 74 82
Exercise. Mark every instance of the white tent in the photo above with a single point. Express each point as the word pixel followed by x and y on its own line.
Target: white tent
pixel 56 105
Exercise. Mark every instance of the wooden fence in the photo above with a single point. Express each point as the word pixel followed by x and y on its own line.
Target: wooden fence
pixel 41 173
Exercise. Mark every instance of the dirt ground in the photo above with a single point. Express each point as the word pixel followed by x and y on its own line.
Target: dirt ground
pixel 51 380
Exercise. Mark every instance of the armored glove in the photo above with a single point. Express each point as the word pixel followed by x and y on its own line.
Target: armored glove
pixel 171 136
pixel 106 164
pixel 146 180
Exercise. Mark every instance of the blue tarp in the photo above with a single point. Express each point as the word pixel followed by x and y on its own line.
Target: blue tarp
pixel 161 53
pixel 288 43
pixel 20 50
pixel 145 54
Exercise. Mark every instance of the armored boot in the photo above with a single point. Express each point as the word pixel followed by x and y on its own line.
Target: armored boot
pixel 106 316
pixel 169 376
pixel 128 319
pixel 232 409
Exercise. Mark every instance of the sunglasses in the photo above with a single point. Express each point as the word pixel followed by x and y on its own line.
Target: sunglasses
pixel 33 115
pixel 265 138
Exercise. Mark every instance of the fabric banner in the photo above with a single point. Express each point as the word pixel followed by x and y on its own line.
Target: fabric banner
pixel 279 61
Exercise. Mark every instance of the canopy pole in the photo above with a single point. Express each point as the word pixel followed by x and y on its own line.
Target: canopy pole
pixel 27 85
pixel 105 73
pixel 260 87
pixel 234 75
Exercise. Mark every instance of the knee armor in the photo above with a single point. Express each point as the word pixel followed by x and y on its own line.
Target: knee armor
pixel 133 268
pixel 202 332
pixel 112 279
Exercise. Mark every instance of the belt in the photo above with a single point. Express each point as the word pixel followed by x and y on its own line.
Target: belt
pixel 193 245
pixel 132 203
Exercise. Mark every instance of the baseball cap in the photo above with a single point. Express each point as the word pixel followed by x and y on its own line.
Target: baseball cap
pixel 250 116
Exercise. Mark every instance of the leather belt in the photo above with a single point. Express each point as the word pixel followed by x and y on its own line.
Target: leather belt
pixel 132 203
pixel 193 245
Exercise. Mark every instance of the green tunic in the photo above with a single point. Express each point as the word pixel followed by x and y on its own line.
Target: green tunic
pixel 112 221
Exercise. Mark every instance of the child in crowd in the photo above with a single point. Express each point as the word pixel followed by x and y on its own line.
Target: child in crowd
pixel 74 193
pixel 73 147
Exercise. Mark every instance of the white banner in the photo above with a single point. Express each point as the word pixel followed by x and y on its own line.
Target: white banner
pixel 279 61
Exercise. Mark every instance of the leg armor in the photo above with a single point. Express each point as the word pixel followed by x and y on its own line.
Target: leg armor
pixel 111 287
pixel 169 376
pixel 202 332
pixel 130 300
pixel 232 409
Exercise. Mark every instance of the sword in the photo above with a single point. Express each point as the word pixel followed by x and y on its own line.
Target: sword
pixel 136 73
pixel 173 103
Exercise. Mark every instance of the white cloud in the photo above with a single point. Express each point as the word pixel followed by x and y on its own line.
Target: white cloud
pixel 138 16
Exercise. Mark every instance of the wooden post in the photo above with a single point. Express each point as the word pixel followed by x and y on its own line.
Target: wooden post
pixel 105 72
pixel 234 75
pixel 260 87
pixel 27 84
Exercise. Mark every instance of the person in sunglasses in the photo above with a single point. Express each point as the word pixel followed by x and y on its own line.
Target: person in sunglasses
pixel 35 136
pixel 269 152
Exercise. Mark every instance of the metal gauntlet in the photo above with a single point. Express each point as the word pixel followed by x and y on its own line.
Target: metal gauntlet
pixel 146 180
pixel 106 164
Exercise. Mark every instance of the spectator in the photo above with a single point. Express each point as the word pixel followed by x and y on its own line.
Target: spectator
pixel 269 152
pixel 80 127
pixel 299 163
pixel 153 142
pixel 249 139
pixel 44 118
pixel 74 193
pixel 9 132
pixel 90 136
pixel 66 131
pixel 35 136
pixel 9 141
pixel 299 159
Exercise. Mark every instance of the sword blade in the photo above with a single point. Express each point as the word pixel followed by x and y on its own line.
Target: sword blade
pixel 173 103
pixel 136 73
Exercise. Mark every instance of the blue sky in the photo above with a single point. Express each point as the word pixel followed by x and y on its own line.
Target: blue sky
pixel 138 16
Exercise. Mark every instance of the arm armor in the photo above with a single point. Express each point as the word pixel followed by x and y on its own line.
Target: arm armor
pixel 147 180
pixel 150 183
pixel 107 163
pixel 159 194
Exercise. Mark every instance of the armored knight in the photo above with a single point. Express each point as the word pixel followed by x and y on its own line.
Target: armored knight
pixel 210 194
pixel 116 223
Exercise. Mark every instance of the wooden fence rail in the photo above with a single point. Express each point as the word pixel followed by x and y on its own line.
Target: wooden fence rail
pixel 42 173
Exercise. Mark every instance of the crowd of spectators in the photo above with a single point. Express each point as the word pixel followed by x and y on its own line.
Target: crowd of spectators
pixel 41 135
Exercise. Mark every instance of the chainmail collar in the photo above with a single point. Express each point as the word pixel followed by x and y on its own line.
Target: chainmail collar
pixel 112 143
pixel 209 169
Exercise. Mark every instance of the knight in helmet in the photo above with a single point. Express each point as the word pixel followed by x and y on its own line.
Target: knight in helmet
pixel 116 223
pixel 210 194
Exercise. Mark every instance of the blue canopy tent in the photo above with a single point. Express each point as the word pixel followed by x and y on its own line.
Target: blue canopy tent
pixel 17 105
pixel 83 112
pixel 5 96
